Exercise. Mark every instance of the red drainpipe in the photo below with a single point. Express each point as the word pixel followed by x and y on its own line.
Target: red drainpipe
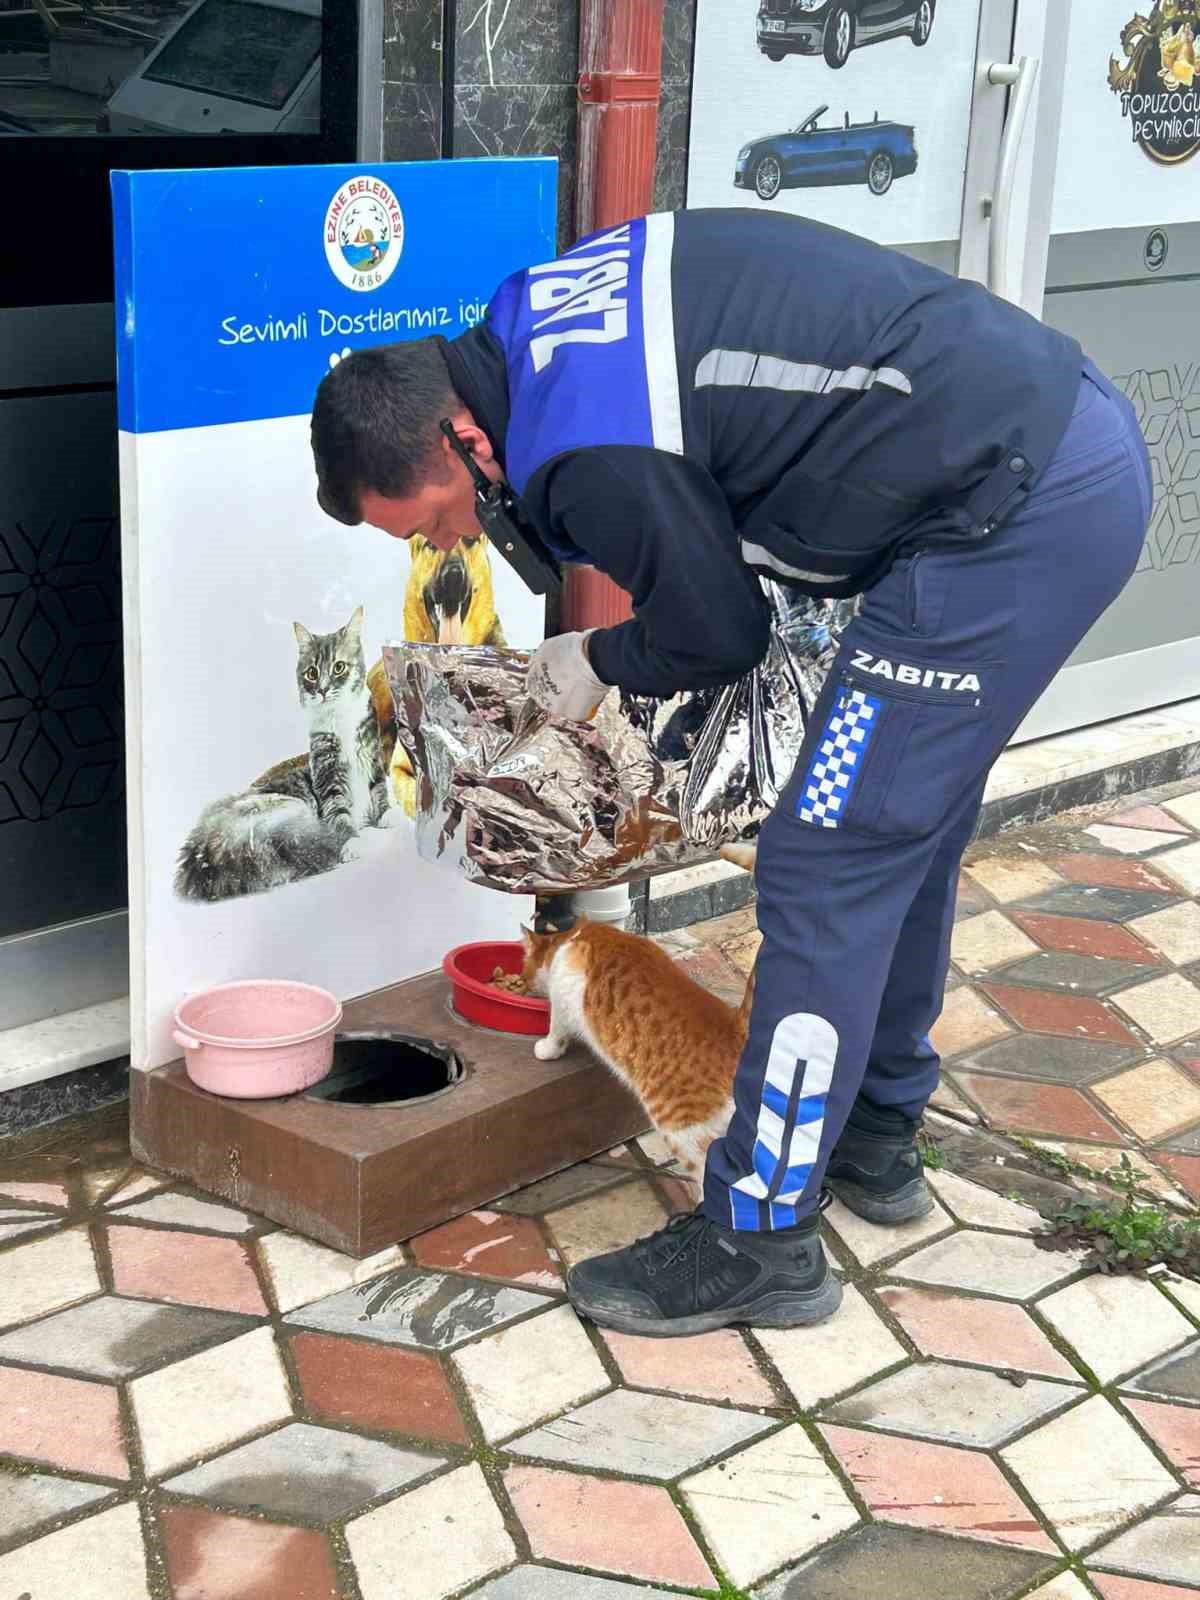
pixel 620 77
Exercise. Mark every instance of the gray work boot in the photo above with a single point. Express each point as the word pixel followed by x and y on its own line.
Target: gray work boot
pixel 876 1169
pixel 695 1275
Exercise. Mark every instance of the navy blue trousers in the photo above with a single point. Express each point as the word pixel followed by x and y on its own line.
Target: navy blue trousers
pixel 858 864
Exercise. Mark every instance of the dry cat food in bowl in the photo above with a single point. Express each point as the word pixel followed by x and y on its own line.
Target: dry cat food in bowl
pixel 258 1039
pixel 483 989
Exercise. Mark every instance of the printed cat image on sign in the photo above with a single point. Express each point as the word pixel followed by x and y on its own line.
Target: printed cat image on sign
pixel 305 814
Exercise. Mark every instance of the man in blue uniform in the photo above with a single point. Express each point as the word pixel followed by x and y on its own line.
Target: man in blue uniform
pixel 688 401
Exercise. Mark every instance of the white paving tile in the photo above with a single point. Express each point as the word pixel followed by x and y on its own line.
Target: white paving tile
pixel 431 1542
pixel 100 1558
pixel 1116 1323
pixel 818 1363
pixel 185 1211
pixel 530 1371
pixel 1130 841
pixel 1166 1008
pixel 46 1275
pixel 642 1435
pixel 1088 1471
pixel 769 1504
pixel 979 1207
pixel 870 1243
pixel 209 1401
pixel 1166 1547
pixel 1065 1587
pixel 1175 931
pixel 301 1272
pixel 953 1405
pixel 1186 807
pixel 988 940
pixel 988 1263
pixel 1183 865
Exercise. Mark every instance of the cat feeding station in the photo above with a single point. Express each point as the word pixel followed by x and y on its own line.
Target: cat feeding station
pixel 357 1174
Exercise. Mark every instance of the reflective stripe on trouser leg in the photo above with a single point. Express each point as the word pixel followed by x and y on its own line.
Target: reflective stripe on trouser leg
pixel 791 1116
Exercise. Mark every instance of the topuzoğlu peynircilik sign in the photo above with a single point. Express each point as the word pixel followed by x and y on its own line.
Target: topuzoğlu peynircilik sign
pixel 254 623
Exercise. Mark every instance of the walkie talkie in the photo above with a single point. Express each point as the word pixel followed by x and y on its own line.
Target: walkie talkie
pixel 499 514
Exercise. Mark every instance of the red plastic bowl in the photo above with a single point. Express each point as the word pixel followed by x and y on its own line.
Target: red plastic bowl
pixel 469 968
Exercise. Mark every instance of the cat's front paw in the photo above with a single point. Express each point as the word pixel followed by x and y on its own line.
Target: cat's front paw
pixel 550 1048
pixel 350 852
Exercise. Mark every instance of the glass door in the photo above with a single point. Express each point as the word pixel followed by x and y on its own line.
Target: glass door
pixel 1124 259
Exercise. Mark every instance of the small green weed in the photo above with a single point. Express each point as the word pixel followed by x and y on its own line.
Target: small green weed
pixel 1127 1237
pixel 931 1151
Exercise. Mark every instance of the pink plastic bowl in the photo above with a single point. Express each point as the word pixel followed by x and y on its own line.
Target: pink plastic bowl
pixel 257 1040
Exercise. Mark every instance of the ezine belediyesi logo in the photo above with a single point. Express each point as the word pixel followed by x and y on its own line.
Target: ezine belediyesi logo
pixel 364 233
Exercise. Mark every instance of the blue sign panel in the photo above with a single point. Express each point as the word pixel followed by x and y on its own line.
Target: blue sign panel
pixel 236 290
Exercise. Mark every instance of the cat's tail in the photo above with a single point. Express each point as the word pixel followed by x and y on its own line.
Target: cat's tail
pixel 742 855
pixel 250 842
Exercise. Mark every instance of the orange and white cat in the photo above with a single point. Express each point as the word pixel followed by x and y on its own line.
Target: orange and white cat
pixel 672 1042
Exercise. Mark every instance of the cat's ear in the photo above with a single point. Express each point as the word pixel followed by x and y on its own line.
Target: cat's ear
pixel 303 637
pixel 356 620
pixel 528 937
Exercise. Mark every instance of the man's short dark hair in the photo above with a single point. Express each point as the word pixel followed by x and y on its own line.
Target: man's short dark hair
pixel 375 424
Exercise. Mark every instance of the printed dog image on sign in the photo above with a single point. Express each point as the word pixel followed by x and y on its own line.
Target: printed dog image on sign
pixel 271 804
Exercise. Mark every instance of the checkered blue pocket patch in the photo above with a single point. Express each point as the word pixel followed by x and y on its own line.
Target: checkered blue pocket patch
pixel 837 762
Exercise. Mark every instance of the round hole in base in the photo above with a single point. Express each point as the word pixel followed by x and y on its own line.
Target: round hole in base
pixel 382 1069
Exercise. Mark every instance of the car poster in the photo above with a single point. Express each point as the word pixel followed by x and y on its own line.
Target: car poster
pixel 854 112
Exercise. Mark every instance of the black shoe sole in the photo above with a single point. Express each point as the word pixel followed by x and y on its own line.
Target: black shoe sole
pixel 795 1310
pixel 909 1204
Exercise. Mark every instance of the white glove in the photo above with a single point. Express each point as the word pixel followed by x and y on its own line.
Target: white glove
pixel 561 679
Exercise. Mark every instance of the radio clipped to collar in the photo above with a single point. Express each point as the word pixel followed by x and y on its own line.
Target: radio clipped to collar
pixel 499 514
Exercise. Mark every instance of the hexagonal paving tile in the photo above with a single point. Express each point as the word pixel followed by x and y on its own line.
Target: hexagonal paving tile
pixel 522 1374
pixel 1115 1323
pixel 907 1564
pixel 1088 1471
pixel 770 1503
pixel 988 1263
pixel 955 1405
pixel 1165 1547
pixel 31 1501
pixel 645 1435
pixel 552 1583
pixel 427 1310
pixel 818 1363
pixel 115 1338
pixel 96 1559
pixel 312 1474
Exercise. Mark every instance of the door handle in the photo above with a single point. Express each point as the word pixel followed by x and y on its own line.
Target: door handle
pixel 1021 76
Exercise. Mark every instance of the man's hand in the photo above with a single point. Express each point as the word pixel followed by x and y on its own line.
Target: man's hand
pixel 561 679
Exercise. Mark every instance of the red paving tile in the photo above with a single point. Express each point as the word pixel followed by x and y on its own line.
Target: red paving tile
pixel 65 1422
pixel 376 1386
pixel 960 1327
pixel 936 1487
pixel 587 1522
pixel 715 1366
pixel 1184 1169
pixel 1137 1589
pixel 188 1269
pixel 1175 1430
pixel 1023 1107
pixel 491 1244
pixel 1114 872
pixel 216 1557
pixel 1149 817
pixel 1068 1015
pixel 1080 936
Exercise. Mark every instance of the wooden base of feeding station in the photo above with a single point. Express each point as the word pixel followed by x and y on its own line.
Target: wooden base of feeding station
pixel 359 1178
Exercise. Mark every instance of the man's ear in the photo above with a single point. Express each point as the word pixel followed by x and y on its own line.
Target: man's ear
pixel 472 435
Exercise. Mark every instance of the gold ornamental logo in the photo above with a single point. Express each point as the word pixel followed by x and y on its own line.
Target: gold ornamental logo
pixel 1157 80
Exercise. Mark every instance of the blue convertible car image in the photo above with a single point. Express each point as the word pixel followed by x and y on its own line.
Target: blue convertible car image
pixel 833 28
pixel 872 152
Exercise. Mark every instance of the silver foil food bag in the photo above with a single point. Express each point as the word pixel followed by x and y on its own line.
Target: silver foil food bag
pixel 526 805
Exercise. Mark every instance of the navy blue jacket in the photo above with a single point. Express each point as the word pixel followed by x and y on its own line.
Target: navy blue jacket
pixel 694 398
